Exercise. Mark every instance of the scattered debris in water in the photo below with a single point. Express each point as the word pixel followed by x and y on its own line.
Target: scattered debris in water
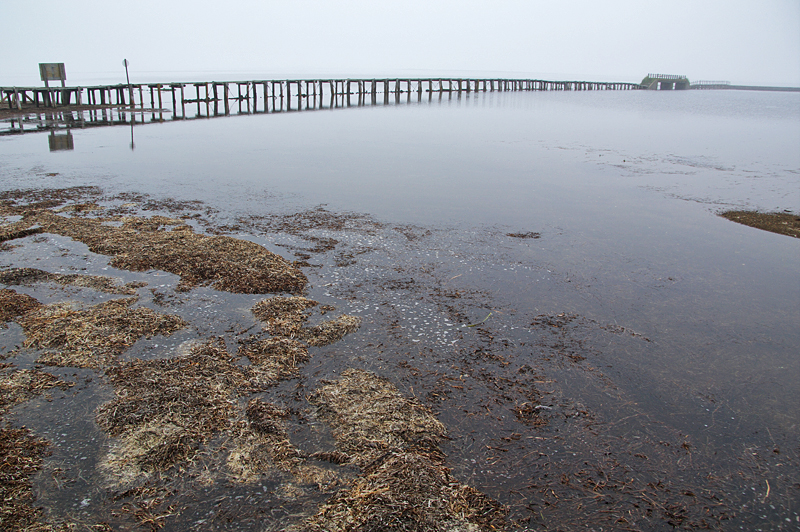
pixel 275 434
pixel 529 234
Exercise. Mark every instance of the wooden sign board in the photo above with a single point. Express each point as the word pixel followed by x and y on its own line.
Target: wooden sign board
pixel 52 71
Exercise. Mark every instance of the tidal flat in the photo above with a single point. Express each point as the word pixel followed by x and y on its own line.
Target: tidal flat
pixel 528 330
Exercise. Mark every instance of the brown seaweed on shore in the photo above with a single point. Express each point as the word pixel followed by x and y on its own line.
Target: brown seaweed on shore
pixel 275 358
pixel 407 492
pixel 142 244
pixel 91 337
pixel 782 223
pixel 283 316
pixel 158 242
pixel 404 485
pixel 13 304
pixel 286 317
pixel 20 453
pixel 330 331
pixel 20 385
pixel 164 409
pixel 18 230
pixel 20 458
pixel 369 416
pixel 262 443
pixel 27 276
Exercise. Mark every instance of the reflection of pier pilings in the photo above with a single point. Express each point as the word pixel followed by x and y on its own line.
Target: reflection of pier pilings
pixel 125 104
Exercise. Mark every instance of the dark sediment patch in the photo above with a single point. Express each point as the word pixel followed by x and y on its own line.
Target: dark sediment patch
pixel 775 222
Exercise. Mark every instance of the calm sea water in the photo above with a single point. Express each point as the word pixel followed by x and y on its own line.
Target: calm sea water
pixel 624 189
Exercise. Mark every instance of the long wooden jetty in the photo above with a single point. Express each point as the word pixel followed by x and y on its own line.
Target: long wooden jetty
pixel 34 109
pixel 298 92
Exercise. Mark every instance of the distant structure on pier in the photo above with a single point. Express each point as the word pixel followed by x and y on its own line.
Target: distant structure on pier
pixel 665 82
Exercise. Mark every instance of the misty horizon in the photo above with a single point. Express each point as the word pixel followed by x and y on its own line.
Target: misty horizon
pixel 740 42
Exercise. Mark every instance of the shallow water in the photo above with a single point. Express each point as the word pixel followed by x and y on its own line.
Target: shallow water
pixel 685 325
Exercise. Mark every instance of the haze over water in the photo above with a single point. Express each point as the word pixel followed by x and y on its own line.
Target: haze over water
pixel 623 189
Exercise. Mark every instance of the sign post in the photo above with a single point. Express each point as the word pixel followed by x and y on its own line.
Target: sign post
pixel 52 71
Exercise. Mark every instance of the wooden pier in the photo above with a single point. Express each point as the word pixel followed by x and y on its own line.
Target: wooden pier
pixel 34 109
pixel 219 96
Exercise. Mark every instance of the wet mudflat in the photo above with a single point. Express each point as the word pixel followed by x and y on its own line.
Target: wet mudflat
pixel 184 364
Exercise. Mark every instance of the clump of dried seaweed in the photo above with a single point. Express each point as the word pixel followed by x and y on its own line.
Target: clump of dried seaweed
pixel 369 416
pixel 91 337
pixel 13 304
pixel 225 263
pixel 164 409
pixel 18 230
pixel 262 443
pixel 331 331
pixel 286 317
pixel 27 276
pixel 275 358
pixel 20 458
pixel 403 485
pixel 406 492
pixel 283 316
pixel 20 385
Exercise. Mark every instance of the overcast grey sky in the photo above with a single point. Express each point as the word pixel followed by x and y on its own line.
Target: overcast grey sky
pixel 743 41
